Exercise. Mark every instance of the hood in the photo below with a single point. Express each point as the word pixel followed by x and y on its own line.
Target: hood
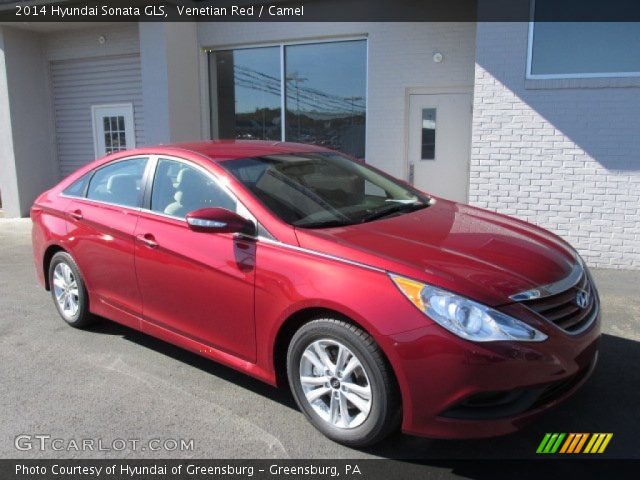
pixel 482 255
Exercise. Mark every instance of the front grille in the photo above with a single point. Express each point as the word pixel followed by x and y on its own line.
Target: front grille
pixel 562 308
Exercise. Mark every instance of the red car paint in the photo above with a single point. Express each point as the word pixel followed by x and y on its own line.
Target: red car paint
pixel 232 299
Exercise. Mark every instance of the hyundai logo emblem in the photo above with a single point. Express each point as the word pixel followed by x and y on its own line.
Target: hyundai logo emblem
pixel 582 298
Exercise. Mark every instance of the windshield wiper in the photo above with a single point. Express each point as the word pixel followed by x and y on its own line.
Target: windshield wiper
pixel 325 224
pixel 393 208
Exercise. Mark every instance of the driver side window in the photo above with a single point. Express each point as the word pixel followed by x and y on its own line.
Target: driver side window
pixel 179 189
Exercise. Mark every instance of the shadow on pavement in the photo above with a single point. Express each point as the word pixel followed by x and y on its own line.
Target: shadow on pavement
pixel 281 396
pixel 608 402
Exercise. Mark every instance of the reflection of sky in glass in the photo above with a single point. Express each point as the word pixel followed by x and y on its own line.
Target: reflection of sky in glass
pixel 585 47
pixel 328 77
pixel 257 78
pixel 325 90
pixel 321 77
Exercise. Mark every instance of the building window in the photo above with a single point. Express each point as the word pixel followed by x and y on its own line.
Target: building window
pixel 113 128
pixel 248 93
pixel 581 49
pixel 428 147
pixel 321 87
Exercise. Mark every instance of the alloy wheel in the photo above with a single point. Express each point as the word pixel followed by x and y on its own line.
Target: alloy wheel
pixel 65 289
pixel 335 383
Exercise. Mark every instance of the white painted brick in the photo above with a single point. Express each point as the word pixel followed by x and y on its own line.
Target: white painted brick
pixel 545 158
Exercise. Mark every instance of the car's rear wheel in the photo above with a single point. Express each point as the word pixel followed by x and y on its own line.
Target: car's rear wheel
pixel 69 291
pixel 342 382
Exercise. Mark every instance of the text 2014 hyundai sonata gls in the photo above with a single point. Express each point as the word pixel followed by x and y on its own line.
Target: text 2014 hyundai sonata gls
pixel 381 305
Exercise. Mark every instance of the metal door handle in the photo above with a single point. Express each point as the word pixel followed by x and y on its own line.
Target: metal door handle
pixel 148 240
pixel 77 214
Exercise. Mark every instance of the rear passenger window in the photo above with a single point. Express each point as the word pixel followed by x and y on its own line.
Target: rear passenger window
pixel 119 183
pixel 179 189
pixel 79 187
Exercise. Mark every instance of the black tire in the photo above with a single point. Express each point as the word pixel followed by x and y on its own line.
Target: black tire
pixel 82 317
pixel 384 414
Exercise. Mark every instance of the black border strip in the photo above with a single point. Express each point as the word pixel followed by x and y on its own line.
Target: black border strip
pixel 322 10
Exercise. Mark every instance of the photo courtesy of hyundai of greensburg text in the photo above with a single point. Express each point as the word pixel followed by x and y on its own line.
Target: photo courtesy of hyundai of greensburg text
pixel 308 239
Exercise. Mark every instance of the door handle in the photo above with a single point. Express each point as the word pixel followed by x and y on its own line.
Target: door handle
pixel 77 214
pixel 148 240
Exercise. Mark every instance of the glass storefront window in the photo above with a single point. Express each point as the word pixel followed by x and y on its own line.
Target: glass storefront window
pixel 247 88
pixel 324 94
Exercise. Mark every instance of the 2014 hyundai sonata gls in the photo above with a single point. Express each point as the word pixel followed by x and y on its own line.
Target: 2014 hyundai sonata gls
pixel 381 305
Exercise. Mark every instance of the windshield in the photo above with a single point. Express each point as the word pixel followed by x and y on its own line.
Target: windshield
pixel 316 190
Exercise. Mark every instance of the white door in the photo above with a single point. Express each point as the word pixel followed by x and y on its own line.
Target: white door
pixel 113 128
pixel 439 144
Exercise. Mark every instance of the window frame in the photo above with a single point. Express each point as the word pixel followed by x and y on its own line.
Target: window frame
pixel 91 174
pixel 552 76
pixel 86 178
pixel 146 202
pixel 282 45
pixel 128 113
pixel 148 191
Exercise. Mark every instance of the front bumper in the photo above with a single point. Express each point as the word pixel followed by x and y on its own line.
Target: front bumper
pixel 453 388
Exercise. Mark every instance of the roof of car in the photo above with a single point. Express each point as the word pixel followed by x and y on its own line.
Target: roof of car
pixel 231 149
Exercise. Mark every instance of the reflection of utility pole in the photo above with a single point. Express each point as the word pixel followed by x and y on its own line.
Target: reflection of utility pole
pixel 295 77
pixel 353 100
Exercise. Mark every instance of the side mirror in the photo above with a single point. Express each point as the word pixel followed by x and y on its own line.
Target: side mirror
pixel 219 220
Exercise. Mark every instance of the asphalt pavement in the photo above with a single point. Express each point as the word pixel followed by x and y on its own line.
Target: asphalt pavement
pixel 110 382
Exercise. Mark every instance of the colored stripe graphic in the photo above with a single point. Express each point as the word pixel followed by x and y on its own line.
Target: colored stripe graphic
pixel 598 442
pixel 581 442
pixel 567 443
pixel 591 442
pixel 608 438
pixel 556 445
pixel 574 443
pixel 550 443
pixel 543 443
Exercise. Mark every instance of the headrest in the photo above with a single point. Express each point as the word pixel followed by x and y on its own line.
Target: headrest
pixel 188 178
pixel 121 184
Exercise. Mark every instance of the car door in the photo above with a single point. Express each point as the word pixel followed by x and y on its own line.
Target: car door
pixel 197 285
pixel 101 224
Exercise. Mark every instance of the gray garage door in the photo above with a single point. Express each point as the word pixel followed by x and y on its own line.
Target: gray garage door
pixel 78 85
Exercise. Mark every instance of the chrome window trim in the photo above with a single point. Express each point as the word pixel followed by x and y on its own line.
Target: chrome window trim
pixel 552 288
pixel 152 163
pixel 245 212
pixel 145 157
pixel 101 202
pixel 91 173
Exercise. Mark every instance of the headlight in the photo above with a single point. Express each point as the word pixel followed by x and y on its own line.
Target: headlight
pixel 466 318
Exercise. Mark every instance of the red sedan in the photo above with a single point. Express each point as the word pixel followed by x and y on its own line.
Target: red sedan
pixel 381 306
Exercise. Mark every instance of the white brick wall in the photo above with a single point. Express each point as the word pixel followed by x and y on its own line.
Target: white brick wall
pixel 563 155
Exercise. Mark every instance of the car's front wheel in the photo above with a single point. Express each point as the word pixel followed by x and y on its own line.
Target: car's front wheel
pixel 342 382
pixel 69 291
